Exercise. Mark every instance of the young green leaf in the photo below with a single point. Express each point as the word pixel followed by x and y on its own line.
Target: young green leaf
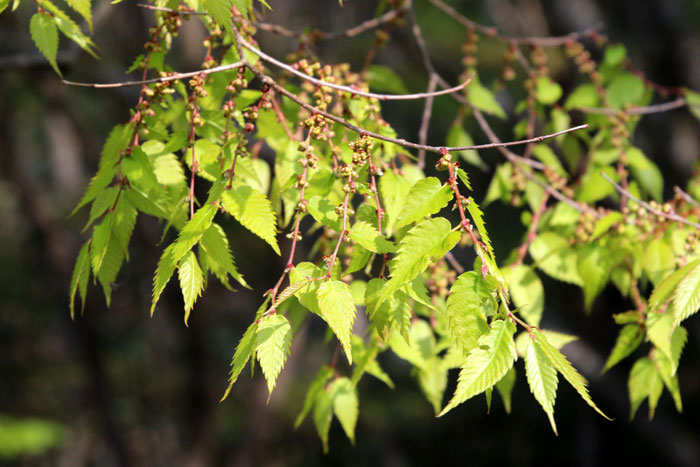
pixel 659 327
pixel 192 232
pixel 432 380
pixel 254 211
pixel 80 277
pixel 220 259
pixel 566 369
pixel 345 405
pixel 69 28
pixel 100 242
pixel 191 281
pixel 486 364
pixel 686 299
pixel 220 10
pixel 273 341
pixel 83 8
pixel 432 237
pixel 643 380
pixel 42 28
pixel 393 190
pixel 505 388
pixel 627 341
pixel 425 198
pixel 659 260
pixel 664 290
pixel 665 370
pixel 317 385
pixel 164 271
pixel 526 291
pixel 323 415
pixel 553 255
pixel 368 237
pixel 542 378
pixel 593 262
pixel 244 350
pixel 338 310
pixel 465 319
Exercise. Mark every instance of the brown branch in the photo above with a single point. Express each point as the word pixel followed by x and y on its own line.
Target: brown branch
pixel 532 232
pixel 492 32
pixel 668 215
pixel 353 91
pixel 686 196
pixel 650 109
pixel 425 120
pixel 162 79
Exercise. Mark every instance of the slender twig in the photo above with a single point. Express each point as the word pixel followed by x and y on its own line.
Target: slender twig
pixel 532 232
pixel 686 196
pixel 318 36
pixel 184 11
pixel 668 215
pixel 318 82
pixel 162 79
pixel 493 32
pixel 650 109
pixel 343 229
pixel 425 120
pixel 454 263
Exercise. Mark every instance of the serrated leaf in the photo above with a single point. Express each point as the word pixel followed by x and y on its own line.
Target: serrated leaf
pixel 122 225
pixel 323 416
pixel 69 28
pixel 254 211
pixel 486 364
pixel 627 341
pixel 191 281
pixel 317 385
pixel 193 230
pixel 83 8
pixel 324 213
pixel 368 237
pixel 220 258
pixel 505 388
pixel 678 341
pixel 663 291
pixel 100 242
pixel 483 99
pixel 244 350
pixel 526 292
pixel 566 369
pixel 432 237
pixel 478 217
pixel 345 405
pixel 542 378
pixel 164 271
pixel 553 255
pixel 425 198
pixel 393 190
pixel 432 380
pixel 42 28
pixel 379 314
pixel 80 277
pixel 338 310
pixel 646 173
pixel 686 299
pixel 220 11
pixel 659 327
pixel 665 369
pixel 465 319
pixel 594 266
pixel 644 382
pixel 273 342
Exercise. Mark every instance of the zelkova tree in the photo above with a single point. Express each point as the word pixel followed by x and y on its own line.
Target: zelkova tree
pixel 385 223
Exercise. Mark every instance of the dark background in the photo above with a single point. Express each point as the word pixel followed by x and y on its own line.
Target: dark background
pixel 126 389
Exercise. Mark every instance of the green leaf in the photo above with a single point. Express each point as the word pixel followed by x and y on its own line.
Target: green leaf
pixel 585 95
pixel 432 237
pixel 4 4
pixel 42 28
pixel 69 28
pixel 83 8
pixel 219 257
pixel 323 416
pixel 659 327
pixel 547 91
pixel 244 350
pixel 426 197
pixel 100 242
pixel 542 378
pixel 220 11
pixel 254 211
pixel 324 213
pixel 393 190
pixel 384 79
pixel 627 341
pixel 80 277
pixel 368 237
pixel 625 89
pixel 345 405
pixel 486 364
pixel 665 370
pixel 553 255
pixel 478 217
pixel 318 384
pixel 614 54
pixel 693 99
pixel 483 99
pixel 164 271
pixel 272 346
pixel 123 219
pixel 465 319
pixel 505 388
pixel 526 291
pixel 659 260
pixel 191 281
pixel 338 310
pixel 594 266
pixel 646 173
pixel 193 230
pixel 686 299
pixel 604 224
pixel 432 379
pixel 663 292
pixel 644 382
pixel 566 369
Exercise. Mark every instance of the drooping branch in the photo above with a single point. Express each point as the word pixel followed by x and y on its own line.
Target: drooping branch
pixel 650 109
pixel 658 212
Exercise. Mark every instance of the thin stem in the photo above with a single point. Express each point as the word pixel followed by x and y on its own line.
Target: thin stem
pixel 532 232
pixel 343 230
pixel 318 82
pixel 668 215
pixel 162 79
pixel 425 120
pixel 454 263
pixel 184 11
pixel 650 109
pixel 689 199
